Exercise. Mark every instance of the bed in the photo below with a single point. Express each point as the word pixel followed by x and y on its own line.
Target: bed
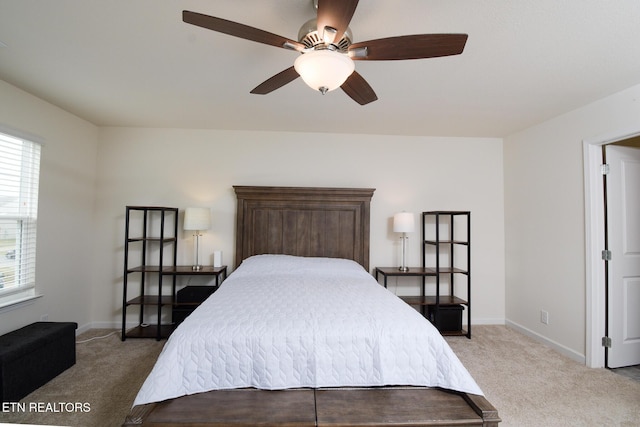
pixel 355 354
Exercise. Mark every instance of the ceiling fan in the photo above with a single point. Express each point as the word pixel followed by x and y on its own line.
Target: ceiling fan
pixel 327 50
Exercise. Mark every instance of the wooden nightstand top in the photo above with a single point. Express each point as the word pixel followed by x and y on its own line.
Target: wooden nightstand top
pixel 188 270
pixel 413 271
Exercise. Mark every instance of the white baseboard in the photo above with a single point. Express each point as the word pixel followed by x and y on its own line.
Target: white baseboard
pixel 111 325
pixel 486 321
pixel 83 328
pixel 572 354
pixel 101 325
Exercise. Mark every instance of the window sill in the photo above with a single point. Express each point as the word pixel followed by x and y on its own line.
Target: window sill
pixel 18 302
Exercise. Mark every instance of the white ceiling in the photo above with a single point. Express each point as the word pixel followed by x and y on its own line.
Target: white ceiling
pixel 135 63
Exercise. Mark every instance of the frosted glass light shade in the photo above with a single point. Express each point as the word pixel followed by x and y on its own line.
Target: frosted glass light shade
pixel 324 70
pixel 197 219
pixel 403 222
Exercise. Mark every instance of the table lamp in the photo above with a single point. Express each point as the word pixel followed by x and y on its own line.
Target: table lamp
pixel 198 220
pixel 404 223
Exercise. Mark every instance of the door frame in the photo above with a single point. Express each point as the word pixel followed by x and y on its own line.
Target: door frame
pixel 595 242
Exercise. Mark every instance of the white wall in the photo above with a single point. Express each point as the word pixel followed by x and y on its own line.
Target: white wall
pixel 544 219
pixel 65 211
pixel 184 168
pixel 540 223
pixel 87 170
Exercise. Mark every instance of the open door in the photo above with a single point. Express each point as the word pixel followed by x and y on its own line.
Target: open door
pixel 623 236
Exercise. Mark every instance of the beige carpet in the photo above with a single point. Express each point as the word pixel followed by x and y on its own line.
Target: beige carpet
pixel 533 385
pixel 530 384
pixel 107 376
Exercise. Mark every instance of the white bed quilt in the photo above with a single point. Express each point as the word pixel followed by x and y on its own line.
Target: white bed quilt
pixel 285 322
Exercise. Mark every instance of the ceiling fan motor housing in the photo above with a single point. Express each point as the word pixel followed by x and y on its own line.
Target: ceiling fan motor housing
pixel 308 35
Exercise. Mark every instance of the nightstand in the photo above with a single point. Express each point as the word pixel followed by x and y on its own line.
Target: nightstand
pixel 189 298
pixel 412 272
pixel 220 273
pixel 421 301
pixel 444 311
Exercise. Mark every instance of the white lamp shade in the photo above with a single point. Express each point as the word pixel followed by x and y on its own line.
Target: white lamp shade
pixel 403 222
pixel 324 69
pixel 197 219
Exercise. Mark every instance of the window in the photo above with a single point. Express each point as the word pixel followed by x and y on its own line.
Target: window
pixel 19 173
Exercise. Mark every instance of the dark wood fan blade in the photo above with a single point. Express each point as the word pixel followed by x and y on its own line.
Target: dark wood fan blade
pixel 358 89
pixel 410 47
pixel 276 82
pixel 239 30
pixel 336 14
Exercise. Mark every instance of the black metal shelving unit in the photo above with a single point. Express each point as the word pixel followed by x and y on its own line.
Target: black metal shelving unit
pixel 438 304
pixel 157 238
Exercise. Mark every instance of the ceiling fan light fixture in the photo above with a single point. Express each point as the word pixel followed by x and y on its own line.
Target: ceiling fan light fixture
pixel 324 70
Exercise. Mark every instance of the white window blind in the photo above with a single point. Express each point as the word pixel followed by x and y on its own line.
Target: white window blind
pixel 19 174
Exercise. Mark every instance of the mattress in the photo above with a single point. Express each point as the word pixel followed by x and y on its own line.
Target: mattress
pixel 284 322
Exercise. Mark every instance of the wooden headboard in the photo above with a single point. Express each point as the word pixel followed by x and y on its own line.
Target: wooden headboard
pixel 325 222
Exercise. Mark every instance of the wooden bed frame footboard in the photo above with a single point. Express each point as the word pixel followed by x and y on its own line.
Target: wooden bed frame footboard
pixel 328 222
pixel 388 406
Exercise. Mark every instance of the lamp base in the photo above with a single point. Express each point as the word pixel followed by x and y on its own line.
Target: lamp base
pixel 405 269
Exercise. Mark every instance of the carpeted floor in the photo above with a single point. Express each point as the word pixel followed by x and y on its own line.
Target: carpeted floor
pixel 530 384
pixel 533 385
pixel 104 381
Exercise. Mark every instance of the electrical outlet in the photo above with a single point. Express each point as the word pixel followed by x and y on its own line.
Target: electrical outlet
pixel 544 317
pixel 44 318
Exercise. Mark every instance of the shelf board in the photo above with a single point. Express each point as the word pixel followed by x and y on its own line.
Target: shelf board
pixel 150 331
pixel 151 239
pixel 144 269
pixel 151 300
pixel 189 271
pixel 460 333
pixel 448 270
pixel 153 208
pixel 448 242
pixel 413 271
pixel 446 213
pixel 186 304
pixel 431 300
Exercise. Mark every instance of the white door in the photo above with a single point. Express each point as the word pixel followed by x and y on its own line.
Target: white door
pixel 623 230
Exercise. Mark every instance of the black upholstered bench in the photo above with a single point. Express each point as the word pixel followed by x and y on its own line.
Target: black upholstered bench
pixel 33 355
